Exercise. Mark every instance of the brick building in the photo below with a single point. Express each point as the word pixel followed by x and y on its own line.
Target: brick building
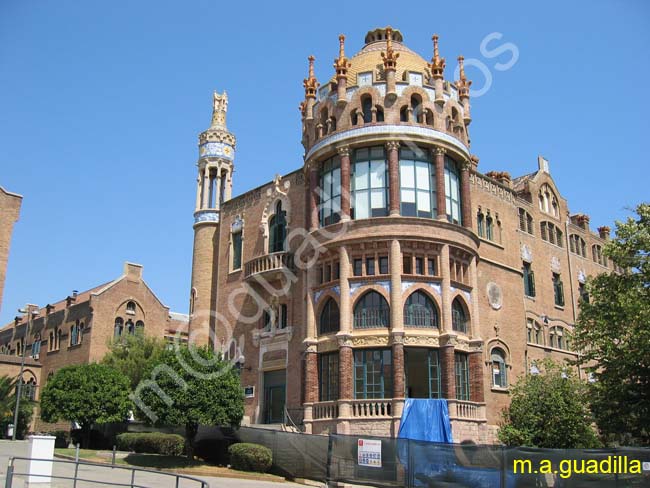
pixel 78 329
pixel 9 212
pixel 387 266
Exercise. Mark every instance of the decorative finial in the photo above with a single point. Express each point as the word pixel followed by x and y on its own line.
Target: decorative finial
pixel 390 56
pixel 219 109
pixel 437 64
pixel 310 83
pixel 341 64
pixel 463 83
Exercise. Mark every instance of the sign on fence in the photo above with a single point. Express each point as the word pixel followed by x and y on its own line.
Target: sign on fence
pixel 369 453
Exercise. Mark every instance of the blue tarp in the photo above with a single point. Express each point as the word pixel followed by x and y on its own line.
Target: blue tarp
pixel 425 420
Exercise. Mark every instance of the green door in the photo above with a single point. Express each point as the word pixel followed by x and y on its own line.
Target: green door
pixel 274 396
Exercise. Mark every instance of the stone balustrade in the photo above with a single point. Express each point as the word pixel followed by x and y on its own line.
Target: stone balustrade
pixel 463 410
pixel 273 262
pixel 325 410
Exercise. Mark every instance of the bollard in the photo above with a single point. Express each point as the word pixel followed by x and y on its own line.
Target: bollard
pixel 76 454
pixel 114 449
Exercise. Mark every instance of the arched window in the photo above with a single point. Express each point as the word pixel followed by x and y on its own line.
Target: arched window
pixel 380 113
pixel 480 223
pixel 416 106
pixel 36 345
pixel 420 311
pixel 130 327
pixel 458 316
pixel 324 116
pixel 277 229
pixel 404 114
pixel 499 376
pixel 139 326
pixel 534 332
pixel 366 107
pixel 417 184
pixel 525 221
pixel 489 228
pixel 329 317
pixel 428 117
pixel 559 338
pixel 130 307
pixel 119 327
pixel 369 195
pixel 371 310
pixel 548 202
pixel 75 334
pixel 452 191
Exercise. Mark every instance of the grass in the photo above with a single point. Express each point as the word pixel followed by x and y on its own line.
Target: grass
pixel 176 464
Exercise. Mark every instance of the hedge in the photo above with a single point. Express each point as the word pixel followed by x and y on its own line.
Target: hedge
pixel 250 457
pixel 151 443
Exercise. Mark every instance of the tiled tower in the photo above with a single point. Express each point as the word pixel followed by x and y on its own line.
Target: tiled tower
pixel 214 186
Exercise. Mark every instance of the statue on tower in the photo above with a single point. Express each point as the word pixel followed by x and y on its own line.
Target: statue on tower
pixel 219 109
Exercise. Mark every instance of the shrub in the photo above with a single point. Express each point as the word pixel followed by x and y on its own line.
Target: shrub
pixel 250 457
pixel 62 438
pixel 151 443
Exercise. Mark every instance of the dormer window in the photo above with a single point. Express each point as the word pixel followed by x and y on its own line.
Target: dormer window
pixel 548 202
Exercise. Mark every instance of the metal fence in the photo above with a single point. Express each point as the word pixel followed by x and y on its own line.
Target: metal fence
pixel 407 463
pixel 83 474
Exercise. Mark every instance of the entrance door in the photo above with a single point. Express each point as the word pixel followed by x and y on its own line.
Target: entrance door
pixel 274 396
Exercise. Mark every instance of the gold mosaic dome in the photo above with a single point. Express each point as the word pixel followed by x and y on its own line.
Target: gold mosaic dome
pixel 369 59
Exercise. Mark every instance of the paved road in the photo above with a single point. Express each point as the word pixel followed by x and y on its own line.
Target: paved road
pixel 105 475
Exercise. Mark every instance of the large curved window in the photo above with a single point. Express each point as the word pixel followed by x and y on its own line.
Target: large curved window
pixel 452 191
pixel 369 193
pixel 458 316
pixel 417 184
pixel 277 229
pixel 420 311
pixel 329 317
pixel 330 183
pixel 371 310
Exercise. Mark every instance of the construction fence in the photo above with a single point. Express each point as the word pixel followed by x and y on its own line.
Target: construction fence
pixel 390 462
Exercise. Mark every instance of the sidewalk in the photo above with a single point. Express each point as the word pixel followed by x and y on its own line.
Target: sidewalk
pixel 105 475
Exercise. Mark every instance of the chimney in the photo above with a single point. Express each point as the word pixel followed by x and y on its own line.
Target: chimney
pixel 604 232
pixel 502 177
pixel 133 271
pixel 542 164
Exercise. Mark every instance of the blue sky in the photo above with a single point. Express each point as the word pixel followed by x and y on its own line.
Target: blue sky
pixel 101 104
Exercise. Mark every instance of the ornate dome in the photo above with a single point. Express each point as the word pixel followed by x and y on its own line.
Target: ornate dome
pixel 369 58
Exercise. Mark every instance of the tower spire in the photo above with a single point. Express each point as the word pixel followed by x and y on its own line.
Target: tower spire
pixel 463 83
pixel 341 65
pixel 437 64
pixel 390 64
pixel 311 85
pixel 219 109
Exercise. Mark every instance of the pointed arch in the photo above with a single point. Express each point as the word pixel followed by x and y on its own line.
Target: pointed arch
pixel 371 310
pixel 329 319
pixel 420 310
pixel 459 315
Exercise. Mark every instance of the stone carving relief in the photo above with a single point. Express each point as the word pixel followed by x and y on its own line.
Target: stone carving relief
pixel 370 341
pixel 555 265
pixel 526 253
pixel 582 276
pixel 494 295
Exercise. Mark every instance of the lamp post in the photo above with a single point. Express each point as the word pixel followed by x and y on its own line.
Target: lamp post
pixel 31 311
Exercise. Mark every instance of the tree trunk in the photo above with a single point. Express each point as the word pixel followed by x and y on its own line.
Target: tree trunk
pixel 190 433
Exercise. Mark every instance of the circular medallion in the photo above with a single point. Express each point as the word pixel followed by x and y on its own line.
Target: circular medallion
pixel 494 295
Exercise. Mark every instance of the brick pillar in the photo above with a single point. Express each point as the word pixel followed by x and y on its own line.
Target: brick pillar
pixel 313 199
pixel 311 376
pixel 344 153
pixel 447 372
pixel 392 149
pixel 476 381
pixel 441 201
pixel 346 373
pixel 398 367
pixel 465 196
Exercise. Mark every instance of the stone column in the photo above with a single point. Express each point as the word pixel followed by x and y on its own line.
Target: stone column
pixel 198 191
pixel 473 277
pixel 311 385
pixel 228 192
pixel 206 186
pixel 466 198
pixel 441 201
pixel 445 290
pixel 344 153
pixel 476 377
pixel 310 313
pixel 398 366
pixel 217 200
pixel 392 149
pixel 346 362
pixel 396 311
pixel 344 285
pixel 313 199
pixel 448 373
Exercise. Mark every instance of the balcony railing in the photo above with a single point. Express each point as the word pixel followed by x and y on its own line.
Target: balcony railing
pixel 273 262
pixel 372 408
pixel 370 318
pixel 421 318
pixel 326 410
pixel 462 410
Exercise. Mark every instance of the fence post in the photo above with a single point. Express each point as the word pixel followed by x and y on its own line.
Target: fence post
pixel 328 476
pixel 76 454
pixel 76 469
pixel 133 478
pixel 114 449
pixel 503 467
pixel 10 474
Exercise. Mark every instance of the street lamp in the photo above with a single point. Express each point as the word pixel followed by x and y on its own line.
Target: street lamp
pixel 31 311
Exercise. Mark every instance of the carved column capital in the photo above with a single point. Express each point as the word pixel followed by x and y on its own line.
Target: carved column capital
pixel 390 145
pixel 439 151
pixel 466 165
pixel 344 151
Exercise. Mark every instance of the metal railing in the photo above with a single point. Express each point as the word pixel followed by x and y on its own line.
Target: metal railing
pixel 368 318
pixel 175 478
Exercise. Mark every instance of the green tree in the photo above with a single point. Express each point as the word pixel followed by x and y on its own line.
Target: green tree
pixel 133 354
pixel 548 410
pixel 191 386
pixel 8 405
pixel 86 394
pixel 613 335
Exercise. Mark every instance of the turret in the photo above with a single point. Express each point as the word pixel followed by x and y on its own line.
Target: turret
pixel 390 65
pixel 437 67
pixel 463 85
pixel 341 65
pixel 311 85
